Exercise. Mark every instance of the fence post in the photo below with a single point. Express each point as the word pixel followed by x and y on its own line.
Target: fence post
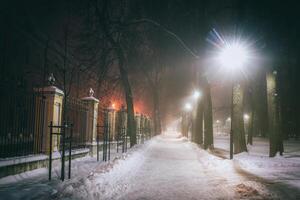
pixel 50 152
pixel 91 134
pixel 70 149
pixel 143 129
pixel 53 109
pixel 97 147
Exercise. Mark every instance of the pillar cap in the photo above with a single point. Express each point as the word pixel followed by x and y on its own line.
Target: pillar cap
pixel 90 98
pixel 50 90
pixel 110 108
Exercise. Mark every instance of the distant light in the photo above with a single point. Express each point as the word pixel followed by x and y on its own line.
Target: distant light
pixel 228 119
pixel 113 106
pixel 188 107
pixel 218 121
pixel 196 94
pixel 246 116
pixel 233 56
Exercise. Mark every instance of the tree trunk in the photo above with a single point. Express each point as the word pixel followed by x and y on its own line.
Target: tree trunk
pixel 250 131
pixel 208 118
pixel 104 22
pixel 185 124
pixel 275 133
pixel 194 121
pixel 239 140
pixel 199 123
pixel 156 112
pixel 131 128
pixel 252 116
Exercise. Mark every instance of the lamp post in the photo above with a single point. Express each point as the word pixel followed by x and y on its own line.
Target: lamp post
pixel 233 57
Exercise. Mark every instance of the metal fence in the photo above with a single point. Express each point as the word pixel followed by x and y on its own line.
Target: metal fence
pixel 21 124
pixel 77 113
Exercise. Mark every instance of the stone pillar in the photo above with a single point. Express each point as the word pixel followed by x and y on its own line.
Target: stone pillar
pixel 91 134
pixel 52 112
pixel 151 127
pixel 111 112
pixel 138 127
pixel 123 116
pixel 121 122
pixel 142 125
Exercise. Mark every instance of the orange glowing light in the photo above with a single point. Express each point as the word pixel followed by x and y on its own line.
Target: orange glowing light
pixel 113 105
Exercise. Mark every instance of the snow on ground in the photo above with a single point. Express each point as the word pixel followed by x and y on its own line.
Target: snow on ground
pixel 35 185
pixel 168 167
pixel 281 173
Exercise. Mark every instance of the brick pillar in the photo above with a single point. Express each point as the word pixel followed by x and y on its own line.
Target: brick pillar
pixel 91 134
pixel 53 112
pixel 92 119
pixel 138 126
pixel 111 112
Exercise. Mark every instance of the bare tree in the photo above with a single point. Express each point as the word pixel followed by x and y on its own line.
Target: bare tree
pixel 275 133
pixel 208 118
pixel 238 129
pixel 113 33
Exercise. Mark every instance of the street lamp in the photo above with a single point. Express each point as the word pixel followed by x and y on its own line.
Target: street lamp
pixel 187 107
pixel 196 94
pixel 233 57
pixel 246 117
pixel 218 126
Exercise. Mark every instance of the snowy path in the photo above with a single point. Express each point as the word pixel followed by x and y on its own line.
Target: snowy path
pixel 167 167
pixel 173 168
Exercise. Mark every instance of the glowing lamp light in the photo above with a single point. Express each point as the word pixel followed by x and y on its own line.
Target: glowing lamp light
pixel 233 56
pixel 196 94
pixel 246 116
pixel 218 121
pixel 113 106
pixel 228 119
pixel 188 107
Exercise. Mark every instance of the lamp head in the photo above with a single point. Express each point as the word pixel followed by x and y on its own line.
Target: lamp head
pixel 196 94
pixel 187 107
pixel 233 56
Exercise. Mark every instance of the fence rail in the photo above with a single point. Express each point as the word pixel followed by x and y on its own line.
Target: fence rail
pixel 77 113
pixel 24 121
pixel 21 124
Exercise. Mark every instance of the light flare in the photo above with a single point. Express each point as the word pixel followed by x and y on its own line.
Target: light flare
pixel 233 56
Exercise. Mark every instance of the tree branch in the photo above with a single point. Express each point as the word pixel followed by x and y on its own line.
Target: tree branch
pixel 172 34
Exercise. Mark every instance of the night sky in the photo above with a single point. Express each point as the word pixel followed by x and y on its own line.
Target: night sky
pixel 271 25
